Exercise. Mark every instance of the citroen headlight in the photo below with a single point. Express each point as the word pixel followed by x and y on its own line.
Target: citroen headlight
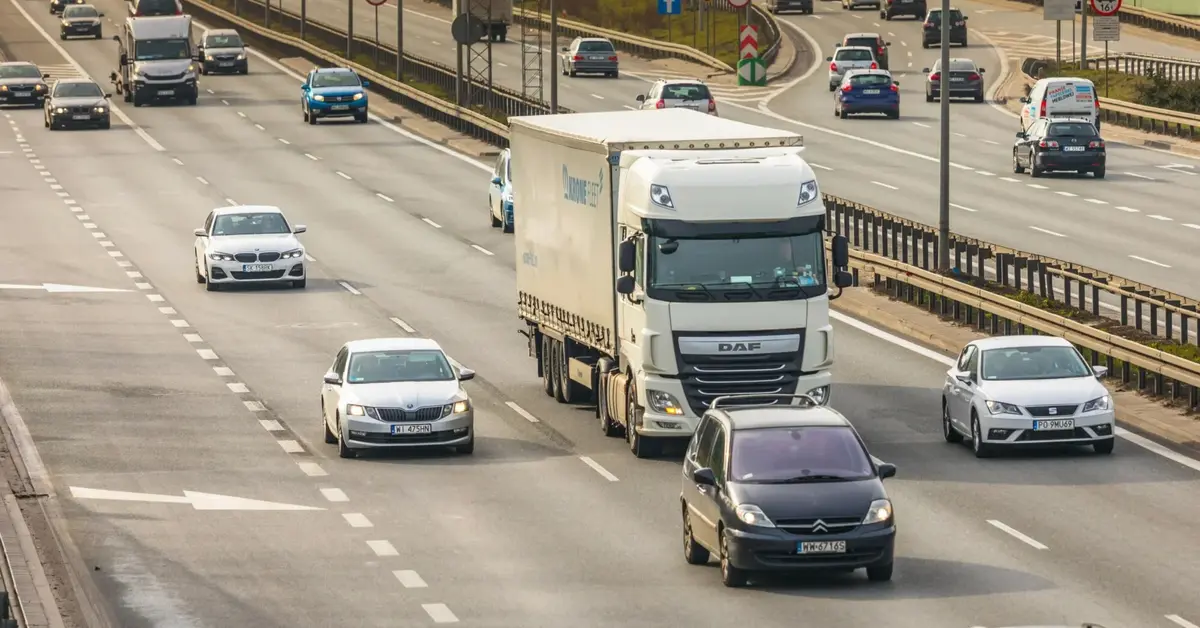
pixel 820 393
pixel 999 407
pixel 220 257
pixel 354 410
pixel 808 193
pixel 208 57
pixel 660 195
pixel 879 512
pixel 241 56
pixel 664 402
pixel 191 68
pixel 60 110
pixel 752 515
pixel 1098 404
pixel 358 96
pixel 318 98
pixel 294 254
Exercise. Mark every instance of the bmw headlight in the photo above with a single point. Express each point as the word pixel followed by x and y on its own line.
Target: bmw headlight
pixel 100 110
pixel 1098 404
pixel 355 410
pixel 808 193
pixel 660 195
pixel 220 257
pixel 294 254
pixel 358 96
pixel 879 512
pixel 752 515
pixel 999 407
pixel 318 98
pixel 60 110
pixel 665 403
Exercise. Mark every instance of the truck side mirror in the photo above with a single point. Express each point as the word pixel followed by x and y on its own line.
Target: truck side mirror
pixel 843 279
pixel 116 38
pixel 841 251
pixel 112 77
pixel 627 257
pixel 123 61
pixel 625 284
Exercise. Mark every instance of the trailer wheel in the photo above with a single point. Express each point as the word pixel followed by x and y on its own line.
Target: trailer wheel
pixel 572 391
pixel 544 361
pixel 556 371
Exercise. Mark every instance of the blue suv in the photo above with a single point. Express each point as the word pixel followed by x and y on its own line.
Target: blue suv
pixel 867 91
pixel 500 193
pixel 333 93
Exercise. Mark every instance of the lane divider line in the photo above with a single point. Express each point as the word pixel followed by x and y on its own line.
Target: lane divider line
pixel 525 414
pixel 596 466
pixel 335 495
pixel 1017 534
pixel 349 288
pixel 383 548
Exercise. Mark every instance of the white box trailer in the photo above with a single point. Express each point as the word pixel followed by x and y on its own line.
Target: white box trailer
pixel 700 273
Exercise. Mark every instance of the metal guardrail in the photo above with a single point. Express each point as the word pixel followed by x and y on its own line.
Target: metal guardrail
pixel 1173 68
pixel 1153 20
pixel 766 21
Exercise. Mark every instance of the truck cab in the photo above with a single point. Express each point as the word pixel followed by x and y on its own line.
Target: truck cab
pixel 155 60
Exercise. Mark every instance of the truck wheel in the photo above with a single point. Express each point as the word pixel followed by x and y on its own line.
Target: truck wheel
pixel 543 359
pixel 555 371
pixel 572 391
pixel 608 427
pixel 641 446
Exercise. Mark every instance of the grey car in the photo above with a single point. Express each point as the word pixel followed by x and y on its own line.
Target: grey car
pixel 80 20
pixel 222 50
pixel 849 58
pixel 77 102
pixel 966 80
pixel 589 55
pixel 851 5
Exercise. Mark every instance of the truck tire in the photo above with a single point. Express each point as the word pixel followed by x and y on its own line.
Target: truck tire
pixel 572 391
pixel 608 426
pixel 544 362
pixel 641 446
pixel 556 371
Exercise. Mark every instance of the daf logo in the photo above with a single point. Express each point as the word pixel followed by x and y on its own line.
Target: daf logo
pixel 1053 410
pixel 819 526
pixel 729 347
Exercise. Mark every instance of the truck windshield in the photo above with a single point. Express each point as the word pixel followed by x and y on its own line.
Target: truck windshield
pixel 772 268
pixel 156 49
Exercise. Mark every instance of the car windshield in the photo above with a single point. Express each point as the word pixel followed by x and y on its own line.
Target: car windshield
pixel 1071 129
pixel 870 80
pixel 158 49
pixel 777 455
pixel 685 91
pixel 379 367
pixel 77 90
pixel 20 70
pixel 81 11
pixel 250 224
pixel 705 265
pixel 853 54
pixel 868 42
pixel 335 79
pixel 223 41
pixel 595 46
pixel 1019 363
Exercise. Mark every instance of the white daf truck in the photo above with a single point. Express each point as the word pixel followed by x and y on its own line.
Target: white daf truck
pixel 666 258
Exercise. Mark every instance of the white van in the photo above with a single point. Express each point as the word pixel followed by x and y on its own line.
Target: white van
pixel 1061 97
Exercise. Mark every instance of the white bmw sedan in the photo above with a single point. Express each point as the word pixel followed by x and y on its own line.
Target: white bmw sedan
pixel 249 244
pixel 1026 390
pixel 396 392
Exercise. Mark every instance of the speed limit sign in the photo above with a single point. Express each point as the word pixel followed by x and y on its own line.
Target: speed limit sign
pixel 1106 7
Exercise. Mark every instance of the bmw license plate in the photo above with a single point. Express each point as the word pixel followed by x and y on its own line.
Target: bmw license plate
pixel 412 429
pixel 80 116
pixel 22 94
pixel 257 268
pixel 871 92
pixel 1073 149
pixel 596 57
pixel 1054 424
pixel 340 107
pixel 956 79
pixel 226 64
pixel 166 92
pixel 821 547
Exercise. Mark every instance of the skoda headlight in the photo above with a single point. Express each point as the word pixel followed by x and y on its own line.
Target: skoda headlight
pixel 208 57
pixel 999 407
pixel 1098 404
pixel 461 406
pixel 220 257
pixel 879 512
pixel 294 254
pixel 354 410
pixel 318 98
pixel 808 193
pixel 358 96
pixel 665 403
pixel 660 195
pixel 820 393
pixel 752 515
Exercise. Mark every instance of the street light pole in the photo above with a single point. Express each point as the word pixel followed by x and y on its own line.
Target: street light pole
pixel 553 58
pixel 944 154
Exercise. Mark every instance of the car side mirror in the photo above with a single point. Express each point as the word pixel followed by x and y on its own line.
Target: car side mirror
pixel 641 98
pixel 704 477
pixel 625 284
pixel 107 96
pixel 199 233
pixel 896 83
pixel 829 58
pixel 886 470
pixel 465 374
pixel 99 15
pixel 841 251
pixel 112 77
pixel 366 83
pixel 926 70
pixel 887 43
pixel 496 181
pixel 1020 135
pixel 1025 100
pixel 627 256
pixel 965 378
pixel 304 87
pixel 299 229
pixel 563 50
pixel 123 60
pixel 332 379
pixel 116 38
pixel 981 70
pixel 1100 371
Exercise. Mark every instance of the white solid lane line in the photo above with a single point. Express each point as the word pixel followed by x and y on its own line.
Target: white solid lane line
pixel 522 411
pixel 1140 176
pixel 1017 534
pixel 1148 261
pixel 383 548
pixel 357 520
pixel 1179 621
pixel 1047 231
pixel 604 473
pixel 403 325
pixel 820 167
pixel 349 288
pixel 335 495
pixel 409 579
pixel 431 223
pixel 440 613
pixel 963 207
pixel 884 185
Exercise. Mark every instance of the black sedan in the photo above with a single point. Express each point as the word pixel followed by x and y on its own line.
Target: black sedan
pixel 80 20
pixel 784 488
pixel 22 83
pixel 57 6
pixel 1058 144
pixel 77 102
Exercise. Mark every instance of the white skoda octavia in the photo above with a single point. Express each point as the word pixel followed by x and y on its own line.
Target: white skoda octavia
pixel 249 244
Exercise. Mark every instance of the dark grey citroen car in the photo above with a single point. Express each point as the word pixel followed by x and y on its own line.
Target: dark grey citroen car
pixel 778 487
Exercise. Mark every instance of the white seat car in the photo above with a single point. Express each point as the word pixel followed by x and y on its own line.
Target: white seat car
pixel 249 244
pixel 393 393
pixel 1026 390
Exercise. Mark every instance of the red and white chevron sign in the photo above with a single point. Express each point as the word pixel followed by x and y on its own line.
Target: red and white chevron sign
pixel 748 42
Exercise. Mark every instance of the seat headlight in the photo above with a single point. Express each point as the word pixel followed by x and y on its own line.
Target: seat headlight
pixel 293 254
pixel 808 193
pixel 318 98
pixel 999 407
pixel 752 515
pixel 665 403
pixel 355 410
pixel 661 196
pixel 879 512
pixel 358 96
pixel 1098 404
pixel 220 257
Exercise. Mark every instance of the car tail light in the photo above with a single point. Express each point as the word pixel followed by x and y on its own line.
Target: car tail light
pixel 958 23
pixel 895 87
pixel 846 88
pixel 935 77
pixel 1047 144
pixel 874 66
pixel 712 105
pixel 833 67
pixel 660 104
pixel 882 50
pixel 973 77
pixel 613 58
pixel 1096 144
pixel 928 24
pixel 1097 105
pixel 1042 110
pixel 577 58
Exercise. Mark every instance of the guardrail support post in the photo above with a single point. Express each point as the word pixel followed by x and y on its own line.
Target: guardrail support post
pixel 350 30
pixel 303 18
pixel 1168 318
pixel 1153 319
pixel 1137 314
pixel 1095 301
pixel 1124 310
pixel 1066 290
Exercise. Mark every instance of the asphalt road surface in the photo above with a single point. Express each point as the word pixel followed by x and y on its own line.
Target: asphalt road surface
pixel 164 388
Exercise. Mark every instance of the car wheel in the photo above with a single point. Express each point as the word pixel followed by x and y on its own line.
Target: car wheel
pixel 300 284
pixel 199 277
pixel 362 118
pixel 880 573
pixel 312 117
pixel 496 222
pixel 928 96
pixel 1017 167
pixel 948 432
pixel 981 449
pixel 693 552
pixel 46 121
pixel 106 125
pixel 330 437
pixel 832 87
pixel 208 285
pixel 572 73
pixel 964 43
pixel 1098 173
pixel 1104 446
pixel 1034 171
pixel 99 34
pixel 640 446
pixel 343 450
pixel 979 97
pixel 843 114
pixel 730 576
pixel 895 115
pixel 468 448
pixel 508 228
pixel 924 44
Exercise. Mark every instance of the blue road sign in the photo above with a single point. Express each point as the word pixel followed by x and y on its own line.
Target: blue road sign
pixel 670 7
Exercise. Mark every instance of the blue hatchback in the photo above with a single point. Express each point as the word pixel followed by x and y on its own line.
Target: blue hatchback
pixel 867 91
pixel 333 93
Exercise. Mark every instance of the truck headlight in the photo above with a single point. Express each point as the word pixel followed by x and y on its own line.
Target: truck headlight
pixel 820 393
pixel 808 193
pixel 660 195
pixel 879 512
pixel 1098 404
pixel 752 515
pixel 664 402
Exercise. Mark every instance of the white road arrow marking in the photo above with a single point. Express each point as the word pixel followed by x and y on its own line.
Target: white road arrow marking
pixel 1176 168
pixel 198 501
pixel 58 287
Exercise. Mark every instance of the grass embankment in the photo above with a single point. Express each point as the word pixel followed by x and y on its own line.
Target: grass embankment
pixel 641 18
pixel 1152 91
pixel 256 14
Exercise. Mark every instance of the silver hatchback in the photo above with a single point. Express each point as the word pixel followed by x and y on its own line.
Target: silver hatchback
pixel 849 58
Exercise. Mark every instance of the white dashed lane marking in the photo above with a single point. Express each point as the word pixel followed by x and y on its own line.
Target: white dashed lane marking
pixel 409 579
pixel 383 548
pixel 1013 532
pixel 440 613
pixel 1047 232
pixel 431 223
pixel 1148 261
pixel 357 520
pixel 336 495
